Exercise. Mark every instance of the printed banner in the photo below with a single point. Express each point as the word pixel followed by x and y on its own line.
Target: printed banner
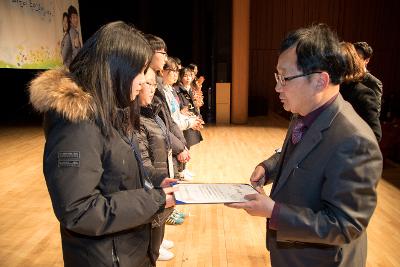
pixel 37 34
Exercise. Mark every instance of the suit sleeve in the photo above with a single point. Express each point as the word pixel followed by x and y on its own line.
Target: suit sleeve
pixel 271 167
pixel 348 198
pixel 77 200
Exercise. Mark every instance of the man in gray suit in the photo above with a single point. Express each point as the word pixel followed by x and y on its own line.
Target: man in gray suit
pixel 325 177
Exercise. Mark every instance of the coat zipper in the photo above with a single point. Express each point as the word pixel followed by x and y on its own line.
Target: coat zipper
pixel 114 254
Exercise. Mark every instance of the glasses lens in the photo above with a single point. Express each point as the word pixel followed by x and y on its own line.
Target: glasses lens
pixel 276 78
pixel 162 53
pixel 279 79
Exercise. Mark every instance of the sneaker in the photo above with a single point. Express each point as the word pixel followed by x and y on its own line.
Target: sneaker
pixel 165 255
pixel 179 213
pixel 167 244
pixel 173 219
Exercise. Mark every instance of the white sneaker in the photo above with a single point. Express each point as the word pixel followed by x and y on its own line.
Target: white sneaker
pixel 167 244
pixel 165 255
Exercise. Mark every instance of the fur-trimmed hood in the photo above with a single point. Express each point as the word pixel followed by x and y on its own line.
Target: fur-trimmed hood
pixel 55 90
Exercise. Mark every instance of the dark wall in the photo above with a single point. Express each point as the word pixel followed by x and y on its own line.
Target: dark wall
pixel 200 31
pixel 190 29
pixel 14 102
pixel 163 19
pixel 373 21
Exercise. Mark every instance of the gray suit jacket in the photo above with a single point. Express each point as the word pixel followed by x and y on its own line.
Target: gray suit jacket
pixel 326 191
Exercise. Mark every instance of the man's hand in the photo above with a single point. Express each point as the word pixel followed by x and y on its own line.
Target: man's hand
pixel 257 178
pixel 258 205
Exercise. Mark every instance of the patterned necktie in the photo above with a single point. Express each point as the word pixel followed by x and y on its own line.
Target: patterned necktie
pixel 298 131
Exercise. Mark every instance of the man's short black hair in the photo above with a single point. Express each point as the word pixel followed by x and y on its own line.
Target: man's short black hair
pixel 317 49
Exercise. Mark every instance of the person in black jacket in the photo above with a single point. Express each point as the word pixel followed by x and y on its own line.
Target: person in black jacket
pixel 363 99
pixel 100 192
pixel 187 105
pixel 178 142
pixel 364 51
pixel 156 149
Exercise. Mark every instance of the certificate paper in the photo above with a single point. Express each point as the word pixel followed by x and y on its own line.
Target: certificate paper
pixel 212 193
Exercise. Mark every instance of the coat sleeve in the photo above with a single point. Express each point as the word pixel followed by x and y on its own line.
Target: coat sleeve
pixel 348 198
pixel 367 106
pixel 174 129
pixel 74 184
pixel 182 121
pixel 176 144
pixel 145 151
pixel 181 100
pixel 165 114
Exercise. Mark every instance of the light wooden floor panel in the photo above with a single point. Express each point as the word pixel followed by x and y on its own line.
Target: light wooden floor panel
pixel 212 235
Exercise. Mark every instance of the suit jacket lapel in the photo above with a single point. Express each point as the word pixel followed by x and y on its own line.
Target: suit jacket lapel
pixel 284 151
pixel 310 140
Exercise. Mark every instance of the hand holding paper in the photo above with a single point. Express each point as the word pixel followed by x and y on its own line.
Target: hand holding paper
pixel 257 178
pixel 258 205
pixel 212 193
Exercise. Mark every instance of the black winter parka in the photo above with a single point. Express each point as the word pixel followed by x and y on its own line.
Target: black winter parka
pixel 103 202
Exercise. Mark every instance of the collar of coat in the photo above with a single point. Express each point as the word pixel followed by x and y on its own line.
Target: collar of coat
pixel 55 90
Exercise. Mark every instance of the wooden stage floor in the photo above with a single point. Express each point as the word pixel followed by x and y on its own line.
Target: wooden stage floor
pixel 212 235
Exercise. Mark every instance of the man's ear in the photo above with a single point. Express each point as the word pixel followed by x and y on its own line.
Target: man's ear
pixel 322 81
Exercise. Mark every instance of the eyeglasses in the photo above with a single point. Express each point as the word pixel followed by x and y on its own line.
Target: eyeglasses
pixel 162 53
pixel 172 70
pixel 282 79
pixel 152 86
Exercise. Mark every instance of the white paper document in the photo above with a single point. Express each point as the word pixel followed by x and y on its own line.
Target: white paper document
pixel 212 193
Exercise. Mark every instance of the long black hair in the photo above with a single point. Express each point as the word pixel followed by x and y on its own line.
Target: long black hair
pixel 105 67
